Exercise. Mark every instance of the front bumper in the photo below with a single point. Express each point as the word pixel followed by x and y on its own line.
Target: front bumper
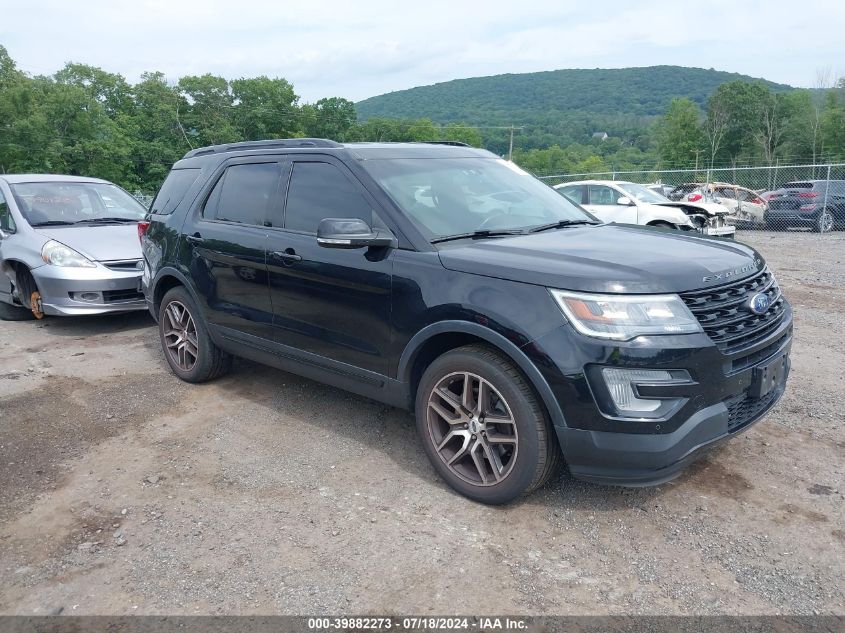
pixel 719 403
pixel 61 289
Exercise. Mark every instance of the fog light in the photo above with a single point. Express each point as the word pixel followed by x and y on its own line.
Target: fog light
pixel 622 385
pixel 89 297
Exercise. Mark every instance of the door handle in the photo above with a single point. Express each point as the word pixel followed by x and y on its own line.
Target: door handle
pixel 196 238
pixel 288 255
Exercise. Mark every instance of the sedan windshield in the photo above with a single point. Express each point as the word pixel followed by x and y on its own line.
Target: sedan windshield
pixel 456 196
pixel 641 194
pixel 67 203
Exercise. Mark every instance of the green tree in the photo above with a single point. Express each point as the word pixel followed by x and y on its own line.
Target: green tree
pixel 208 119
pixel 330 118
pixel 678 133
pixel 264 108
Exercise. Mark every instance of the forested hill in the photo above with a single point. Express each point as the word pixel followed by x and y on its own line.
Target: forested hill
pixel 535 98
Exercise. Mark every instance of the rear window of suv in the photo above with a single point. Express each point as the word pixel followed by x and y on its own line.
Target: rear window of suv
pixel 798 185
pixel 175 187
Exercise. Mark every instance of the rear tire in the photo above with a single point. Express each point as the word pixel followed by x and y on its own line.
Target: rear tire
pixel 497 442
pixel 188 348
pixel 824 223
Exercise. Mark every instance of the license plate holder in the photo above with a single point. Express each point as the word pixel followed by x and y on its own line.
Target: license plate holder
pixel 768 376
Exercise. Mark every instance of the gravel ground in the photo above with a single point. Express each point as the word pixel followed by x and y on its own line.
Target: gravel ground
pixel 127 491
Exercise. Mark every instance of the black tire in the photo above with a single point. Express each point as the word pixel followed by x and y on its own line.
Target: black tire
pixel 824 223
pixel 663 225
pixel 210 361
pixel 10 312
pixel 537 454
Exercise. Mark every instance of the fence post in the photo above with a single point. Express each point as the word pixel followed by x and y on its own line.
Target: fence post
pixel 826 188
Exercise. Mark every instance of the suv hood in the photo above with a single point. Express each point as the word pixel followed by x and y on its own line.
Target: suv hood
pixel 613 258
pixel 98 243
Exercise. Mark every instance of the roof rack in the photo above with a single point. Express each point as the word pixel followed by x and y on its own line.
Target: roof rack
pixel 455 143
pixel 269 144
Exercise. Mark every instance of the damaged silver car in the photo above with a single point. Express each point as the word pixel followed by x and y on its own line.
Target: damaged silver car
pixel 68 246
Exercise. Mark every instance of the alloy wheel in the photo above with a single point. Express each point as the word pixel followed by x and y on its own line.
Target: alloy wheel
pixel 472 428
pixel 180 336
pixel 825 222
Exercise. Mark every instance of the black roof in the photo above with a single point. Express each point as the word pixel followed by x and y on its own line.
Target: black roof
pixel 362 151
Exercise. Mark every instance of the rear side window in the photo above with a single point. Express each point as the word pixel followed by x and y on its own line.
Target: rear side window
pixel 572 193
pixel 175 187
pixel 318 191
pixel 244 193
pixel 798 185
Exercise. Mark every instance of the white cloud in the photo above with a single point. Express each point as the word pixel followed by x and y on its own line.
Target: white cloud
pixel 369 47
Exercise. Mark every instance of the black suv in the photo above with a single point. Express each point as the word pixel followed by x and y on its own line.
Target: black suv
pixel 817 204
pixel 440 278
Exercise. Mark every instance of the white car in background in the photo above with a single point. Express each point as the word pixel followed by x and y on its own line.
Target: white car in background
pixel 632 203
pixel 746 206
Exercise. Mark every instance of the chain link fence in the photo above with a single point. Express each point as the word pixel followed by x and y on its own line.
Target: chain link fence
pixel 778 198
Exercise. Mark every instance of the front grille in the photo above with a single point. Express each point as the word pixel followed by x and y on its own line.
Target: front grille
pixel 119 296
pixel 725 317
pixel 743 410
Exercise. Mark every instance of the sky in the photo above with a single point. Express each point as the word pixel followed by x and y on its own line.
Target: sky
pixel 361 48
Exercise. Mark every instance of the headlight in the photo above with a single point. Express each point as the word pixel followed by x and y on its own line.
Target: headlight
pixel 58 254
pixel 623 317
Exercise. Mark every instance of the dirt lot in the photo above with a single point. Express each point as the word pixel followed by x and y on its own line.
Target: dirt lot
pixel 126 491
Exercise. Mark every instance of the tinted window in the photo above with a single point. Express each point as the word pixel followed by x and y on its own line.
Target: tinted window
pixel 572 193
pixel 603 195
pixel 318 191
pixel 175 187
pixel 798 185
pixel 244 193
pixel 6 221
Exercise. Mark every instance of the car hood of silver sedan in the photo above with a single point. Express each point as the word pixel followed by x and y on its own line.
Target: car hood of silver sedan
pixel 98 243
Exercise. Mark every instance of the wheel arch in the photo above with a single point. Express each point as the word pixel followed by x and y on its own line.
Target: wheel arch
pixel 167 279
pixel 443 336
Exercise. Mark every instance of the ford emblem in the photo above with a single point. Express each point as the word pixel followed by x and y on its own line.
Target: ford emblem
pixel 759 303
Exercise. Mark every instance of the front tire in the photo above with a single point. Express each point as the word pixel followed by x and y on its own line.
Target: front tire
pixel 483 427
pixel 188 348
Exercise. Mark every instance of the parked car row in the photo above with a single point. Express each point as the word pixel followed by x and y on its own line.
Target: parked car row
pixel 631 203
pixel 815 204
pixel 523 332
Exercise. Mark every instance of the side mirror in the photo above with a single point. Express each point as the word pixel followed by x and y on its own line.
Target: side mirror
pixel 351 233
pixel 624 201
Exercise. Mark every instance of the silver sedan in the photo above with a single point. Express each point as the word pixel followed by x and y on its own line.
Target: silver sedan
pixel 68 246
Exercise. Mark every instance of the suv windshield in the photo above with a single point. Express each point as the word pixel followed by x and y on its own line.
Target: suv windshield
pixel 74 202
pixel 642 194
pixel 453 196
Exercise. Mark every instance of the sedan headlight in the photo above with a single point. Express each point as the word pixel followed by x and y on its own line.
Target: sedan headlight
pixel 623 317
pixel 58 254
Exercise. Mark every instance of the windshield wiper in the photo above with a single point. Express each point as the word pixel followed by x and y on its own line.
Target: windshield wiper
pixel 105 220
pixel 54 223
pixel 559 225
pixel 478 233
